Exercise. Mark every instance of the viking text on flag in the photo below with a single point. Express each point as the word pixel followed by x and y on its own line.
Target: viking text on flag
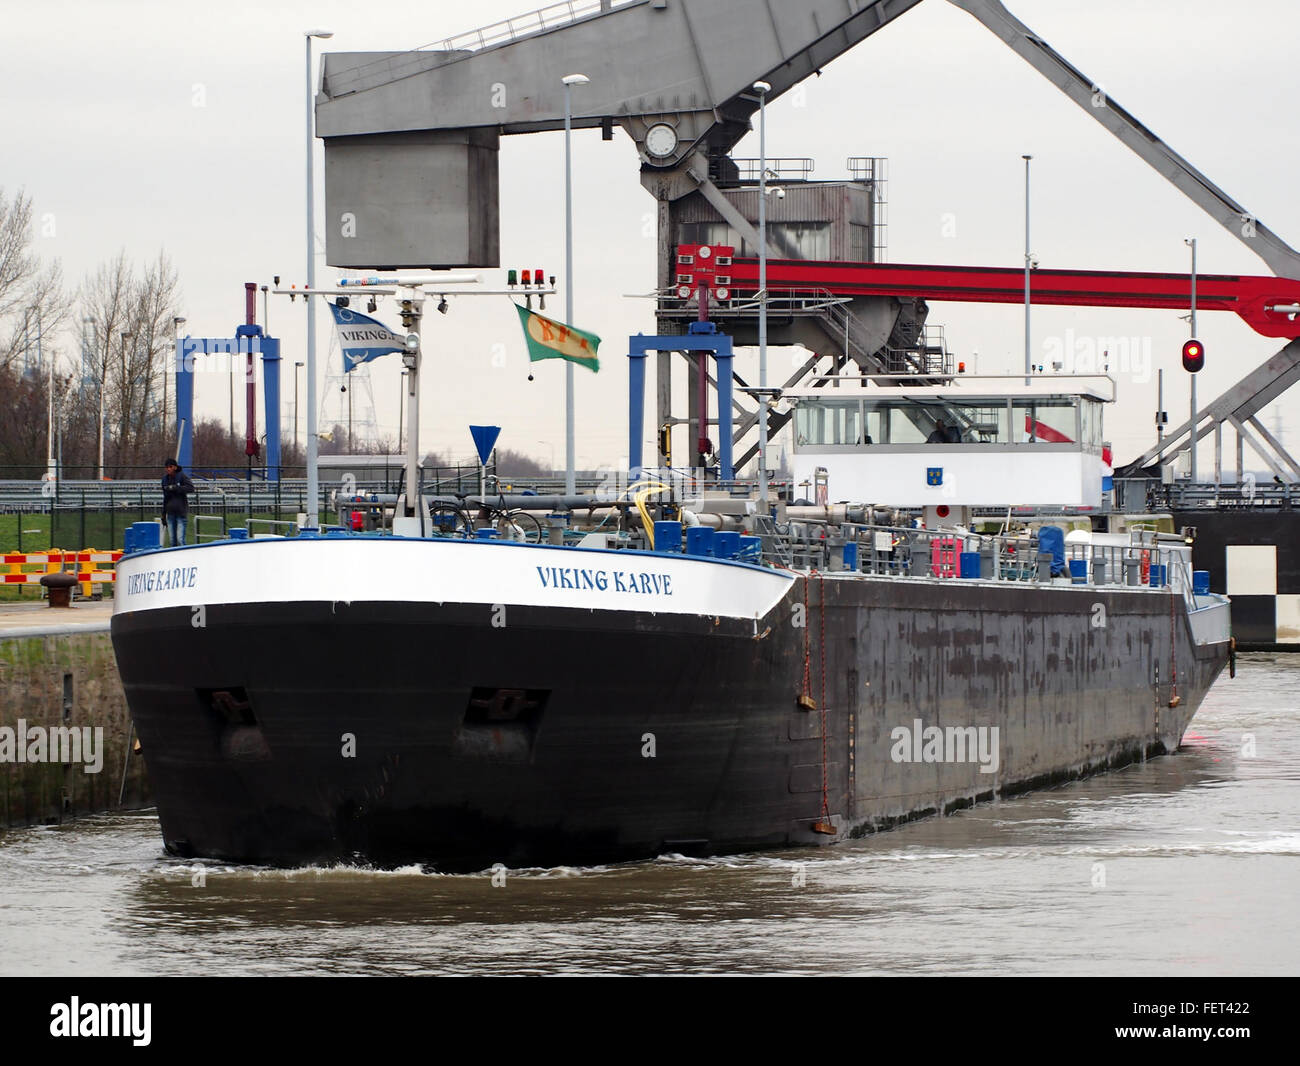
pixel 363 338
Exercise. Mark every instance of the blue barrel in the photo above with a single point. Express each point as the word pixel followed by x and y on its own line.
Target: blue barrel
pixel 1157 580
pixel 1201 582
pixel 699 540
pixel 1079 571
pixel 487 533
pixel 142 535
pixel 1051 541
pixel 726 544
pixel 851 555
pixel 751 550
pixel 237 533
pixel 668 537
pixel 968 564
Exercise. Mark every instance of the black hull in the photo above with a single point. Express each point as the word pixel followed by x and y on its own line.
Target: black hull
pixel 528 742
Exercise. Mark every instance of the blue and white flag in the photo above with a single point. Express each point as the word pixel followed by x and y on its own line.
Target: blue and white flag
pixel 363 338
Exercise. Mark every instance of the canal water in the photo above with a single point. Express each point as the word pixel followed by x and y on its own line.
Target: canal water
pixel 1188 864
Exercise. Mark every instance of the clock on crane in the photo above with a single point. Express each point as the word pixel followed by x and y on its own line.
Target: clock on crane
pixel 661 140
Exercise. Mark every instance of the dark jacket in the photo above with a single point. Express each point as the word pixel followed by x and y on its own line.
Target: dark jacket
pixel 175 487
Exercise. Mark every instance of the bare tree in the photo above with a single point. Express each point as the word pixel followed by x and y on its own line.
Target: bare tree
pixel 32 300
pixel 139 379
pixel 106 297
pixel 131 318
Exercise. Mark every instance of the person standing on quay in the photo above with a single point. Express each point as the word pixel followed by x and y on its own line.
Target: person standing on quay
pixel 176 485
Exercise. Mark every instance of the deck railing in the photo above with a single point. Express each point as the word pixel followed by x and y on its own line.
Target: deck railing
pixel 894 551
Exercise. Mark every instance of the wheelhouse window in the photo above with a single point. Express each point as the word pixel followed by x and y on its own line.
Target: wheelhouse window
pixel 1045 419
pixel 829 423
pixel 856 422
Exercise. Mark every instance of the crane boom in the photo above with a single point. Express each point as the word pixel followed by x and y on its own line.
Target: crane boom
pixel 1281 258
pixel 1267 304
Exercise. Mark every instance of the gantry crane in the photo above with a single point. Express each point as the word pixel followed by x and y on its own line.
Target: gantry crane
pixel 420 128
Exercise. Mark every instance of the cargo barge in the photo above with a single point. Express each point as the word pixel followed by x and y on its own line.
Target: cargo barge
pixel 462 702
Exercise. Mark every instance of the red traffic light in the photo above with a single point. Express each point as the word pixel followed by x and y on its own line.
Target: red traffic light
pixel 1193 356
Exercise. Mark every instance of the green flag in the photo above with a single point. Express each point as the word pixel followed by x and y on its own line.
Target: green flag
pixel 548 339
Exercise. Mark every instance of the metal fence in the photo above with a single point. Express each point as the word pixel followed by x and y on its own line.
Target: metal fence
pixel 40 515
pixel 1251 494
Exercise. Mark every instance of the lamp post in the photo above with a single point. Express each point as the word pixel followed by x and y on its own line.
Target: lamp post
pixel 49 433
pixel 296 367
pixel 569 81
pixel 103 373
pixel 313 484
pixel 548 444
pixel 1191 243
pixel 1028 263
pixel 127 338
pixel 401 403
pixel 177 322
pixel 762 88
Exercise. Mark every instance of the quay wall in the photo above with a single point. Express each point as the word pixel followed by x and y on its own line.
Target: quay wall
pixel 65 678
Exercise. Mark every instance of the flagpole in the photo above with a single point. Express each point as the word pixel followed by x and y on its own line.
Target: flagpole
pixel 570 475
pixel 313 475
pixel 412 312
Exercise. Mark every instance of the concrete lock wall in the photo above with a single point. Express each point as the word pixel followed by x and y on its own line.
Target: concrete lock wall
pixel 66 680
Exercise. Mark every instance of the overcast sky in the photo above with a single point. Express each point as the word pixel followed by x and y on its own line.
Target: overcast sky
pixel 176 125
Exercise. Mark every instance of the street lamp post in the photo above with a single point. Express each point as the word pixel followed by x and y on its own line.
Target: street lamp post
pixel 127 338
pixel 551 446
pixel 49 433
pixel 103 374
pixel 177 322
pixel 1191 243
pixel 401 404
pixel 296 367
pixel 569 80
pixel 1028 264
pixel 313 484
pixel 762 88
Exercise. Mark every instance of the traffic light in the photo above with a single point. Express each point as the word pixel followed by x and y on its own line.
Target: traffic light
pixel 1193 356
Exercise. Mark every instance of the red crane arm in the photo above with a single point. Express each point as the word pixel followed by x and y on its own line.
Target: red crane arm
pixel 1251 297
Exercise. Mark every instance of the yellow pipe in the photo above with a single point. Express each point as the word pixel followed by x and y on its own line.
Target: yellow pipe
pixel 646 489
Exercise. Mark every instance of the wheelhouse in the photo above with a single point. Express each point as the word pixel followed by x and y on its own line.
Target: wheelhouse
pixel 965 441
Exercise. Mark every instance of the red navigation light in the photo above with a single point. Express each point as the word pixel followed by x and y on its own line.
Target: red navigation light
pixel 528 277
pixel 540 276
pixel 961 368
pixel 1193 356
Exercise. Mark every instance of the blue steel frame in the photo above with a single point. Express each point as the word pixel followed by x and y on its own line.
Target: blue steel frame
pixel 702 337
pixel 269 348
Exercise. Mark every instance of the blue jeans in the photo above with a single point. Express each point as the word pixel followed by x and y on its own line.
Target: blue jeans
pixel 176 529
